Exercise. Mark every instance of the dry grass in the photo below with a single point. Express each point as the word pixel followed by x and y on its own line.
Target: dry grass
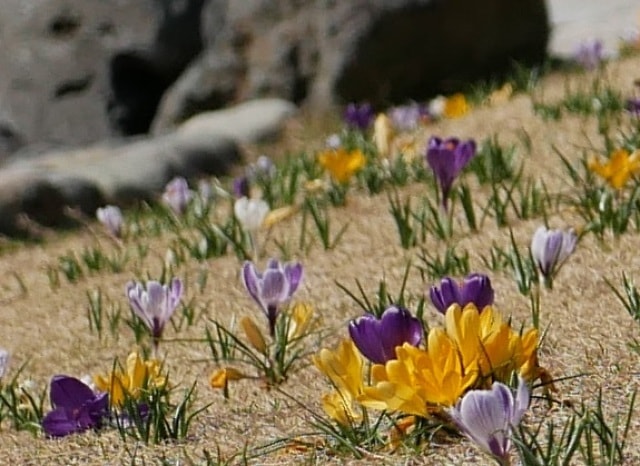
pixel 588 328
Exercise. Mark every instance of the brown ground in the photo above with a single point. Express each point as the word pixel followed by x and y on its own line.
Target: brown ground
pixel 588 328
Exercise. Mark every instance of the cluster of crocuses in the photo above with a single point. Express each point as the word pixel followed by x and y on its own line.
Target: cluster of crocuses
pixel 78 406
pixel 460 369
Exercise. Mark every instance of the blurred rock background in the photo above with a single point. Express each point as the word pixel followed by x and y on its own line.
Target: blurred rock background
pixel 95 93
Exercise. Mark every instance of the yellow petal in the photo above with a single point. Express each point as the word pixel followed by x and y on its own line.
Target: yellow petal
pixel 279 215
pixel 456 106
pixel 301 316
pixel 221 377
pixel 253 334
pixel 383 135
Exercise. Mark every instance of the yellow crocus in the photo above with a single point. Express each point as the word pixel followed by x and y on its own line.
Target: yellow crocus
pixel 344 368
pixel 137 375
pixel 253 334
pixel 418 382
pixel 484 338
pixel 456 106
pixel 618 169
pixel 342 164
pixel 221 377
pixel 383 135
pixel 301 316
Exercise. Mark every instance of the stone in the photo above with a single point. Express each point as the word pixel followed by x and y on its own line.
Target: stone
pixel 28 200
pixel 249 122
pixel 324 52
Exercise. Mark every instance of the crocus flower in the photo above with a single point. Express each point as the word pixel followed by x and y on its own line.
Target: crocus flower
pixel 619 168
pixel 241 187
pixel 273 287
pixel 589 54
pixel 408 117
pixel 262 168
pixel 475 288
pixel 447 158
pixel 633 106
pixel 487 417
pixel 377 339
pixel 343 367
pixel 342 164
pixel 456 106
pixel 550 249
pixel 111 217
pixel 250 212
pixel 76 407
pixel 4 362
pixel 155 304
pixel 420 381
pixel 359 116
pixel 130 381
pixel 383 135
pixel 177 195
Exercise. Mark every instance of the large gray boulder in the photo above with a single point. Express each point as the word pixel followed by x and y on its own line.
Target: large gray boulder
pixel 324 52
pixel 73 72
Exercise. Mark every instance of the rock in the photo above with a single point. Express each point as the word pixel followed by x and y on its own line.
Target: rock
pixel 126 172
pixel 250 122
pixel 324 52
pixel 26 199
pixel 54 79
pixel 78 71
pixel 140 75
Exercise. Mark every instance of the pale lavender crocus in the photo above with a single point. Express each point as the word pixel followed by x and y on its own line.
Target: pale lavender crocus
pixel 273 287
pixel 487 417
pixel 154 304
pixel 474 289
pixel 447 158
pixel 408 117
pixel 4 362
pixel 550 249
pixel 589 54
pixel 377 338
pixel 177 195
pixel 359 116
pixel 111 218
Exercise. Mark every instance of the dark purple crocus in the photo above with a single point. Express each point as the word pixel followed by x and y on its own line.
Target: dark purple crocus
pixel 273 287
pixel 76 407
pixel 475 288
pixel 241 187
pixel 633 106
pixel 359 116
pixel 447 158
pixel 377 339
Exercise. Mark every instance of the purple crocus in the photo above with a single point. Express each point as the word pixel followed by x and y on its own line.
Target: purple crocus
pixel 589 54
pixel 377 339
pixel 241 187
pixel 76 407
pixel 271 288
pixel 111 217
pixel 447 158
pixel 177 195
pixel 475 288
pixel 155 304
pixel 550 249
pixel 633 106
pixel 359 116
pixel 488 416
